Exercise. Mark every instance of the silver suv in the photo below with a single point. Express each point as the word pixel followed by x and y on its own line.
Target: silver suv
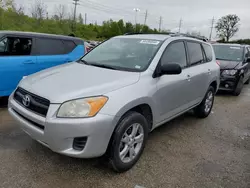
pixel 109 101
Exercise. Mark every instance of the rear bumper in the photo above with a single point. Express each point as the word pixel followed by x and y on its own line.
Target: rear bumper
pixel 58 133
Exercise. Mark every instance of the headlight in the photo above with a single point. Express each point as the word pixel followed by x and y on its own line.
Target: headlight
pixel 229 72
pixel 81 108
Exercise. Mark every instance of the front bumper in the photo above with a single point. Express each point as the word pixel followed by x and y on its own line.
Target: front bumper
pixel 228 83
pixel 58 133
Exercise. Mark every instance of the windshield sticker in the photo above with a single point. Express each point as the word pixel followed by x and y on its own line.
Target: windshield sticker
pixel 153 42
pixel 137 66
pixel 233 47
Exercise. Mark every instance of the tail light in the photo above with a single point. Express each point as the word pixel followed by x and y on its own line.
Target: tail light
pixel 87 48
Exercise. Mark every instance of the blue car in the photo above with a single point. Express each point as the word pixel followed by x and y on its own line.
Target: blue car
pixel 24 53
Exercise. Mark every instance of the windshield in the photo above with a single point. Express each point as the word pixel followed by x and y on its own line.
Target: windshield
pixel 229 53
pixel 126 54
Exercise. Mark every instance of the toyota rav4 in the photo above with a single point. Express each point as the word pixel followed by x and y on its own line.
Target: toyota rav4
pixel 109 100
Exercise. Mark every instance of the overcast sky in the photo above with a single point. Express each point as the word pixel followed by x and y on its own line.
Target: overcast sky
pixel 196 15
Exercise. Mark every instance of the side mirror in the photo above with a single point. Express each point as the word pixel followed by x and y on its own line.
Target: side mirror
pixel 171 68
pixel 248 60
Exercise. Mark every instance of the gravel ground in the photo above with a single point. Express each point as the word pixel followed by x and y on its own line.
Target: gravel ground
pixel 186 152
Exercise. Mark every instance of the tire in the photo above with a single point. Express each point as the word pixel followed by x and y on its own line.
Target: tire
pixel 117 146
pixel 247 82
pixel 203 110
pixel 239 87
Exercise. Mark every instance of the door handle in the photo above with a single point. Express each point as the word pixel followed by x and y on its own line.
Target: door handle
pixel 209 71
pixel 29 62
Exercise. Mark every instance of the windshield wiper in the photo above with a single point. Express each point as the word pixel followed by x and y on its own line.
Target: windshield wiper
pixel 102 66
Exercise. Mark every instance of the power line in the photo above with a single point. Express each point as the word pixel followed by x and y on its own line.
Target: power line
pixel 211 32
pixel 107 8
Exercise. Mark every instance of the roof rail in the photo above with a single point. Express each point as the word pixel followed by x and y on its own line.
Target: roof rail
pixel 188 35
pixel 135 33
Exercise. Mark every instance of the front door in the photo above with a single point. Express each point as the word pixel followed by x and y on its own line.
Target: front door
pixel 16 62
pixel 247 68
pixel 173 91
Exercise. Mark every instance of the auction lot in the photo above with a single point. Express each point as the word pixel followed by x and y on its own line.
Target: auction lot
pixel 186 152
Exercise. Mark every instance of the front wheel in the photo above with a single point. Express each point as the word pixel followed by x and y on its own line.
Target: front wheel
pixel 128 141
pixel 204 109
pixel 239 87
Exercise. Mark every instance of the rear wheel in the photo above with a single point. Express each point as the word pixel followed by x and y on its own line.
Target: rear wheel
pixel 239 87
pixel 128 141
pixel 204 109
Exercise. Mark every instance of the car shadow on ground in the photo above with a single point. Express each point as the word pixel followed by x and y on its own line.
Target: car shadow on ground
pixel 99 165
pixel 3 102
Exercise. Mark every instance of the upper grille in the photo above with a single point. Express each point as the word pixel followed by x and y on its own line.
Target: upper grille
pixel 36 104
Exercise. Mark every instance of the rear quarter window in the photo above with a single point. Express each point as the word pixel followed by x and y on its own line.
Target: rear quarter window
pixel 208 52
pixel 69 46
pixel 46 46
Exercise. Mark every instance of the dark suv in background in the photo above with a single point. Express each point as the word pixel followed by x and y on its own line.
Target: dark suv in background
pixel 234 61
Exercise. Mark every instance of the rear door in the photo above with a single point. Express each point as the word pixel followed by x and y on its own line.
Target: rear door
pixel 50 52
pixel 198 73
pixel 16 60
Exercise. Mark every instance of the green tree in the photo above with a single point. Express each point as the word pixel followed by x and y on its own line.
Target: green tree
pixel 121 26
pixel 129 27
pixel 227 26
pixel 80 19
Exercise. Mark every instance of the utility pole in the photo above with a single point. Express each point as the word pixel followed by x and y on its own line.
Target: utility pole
pixel 180 25
pixel 160 24
pixel 146 16
pixel 74 24
pixel 211 32
pixel 85 19
pixel 136 11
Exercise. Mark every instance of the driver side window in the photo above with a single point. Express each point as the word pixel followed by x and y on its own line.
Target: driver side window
pixel 175 53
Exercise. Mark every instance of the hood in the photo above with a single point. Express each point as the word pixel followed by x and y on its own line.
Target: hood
pixel 75 80
pixel 229 64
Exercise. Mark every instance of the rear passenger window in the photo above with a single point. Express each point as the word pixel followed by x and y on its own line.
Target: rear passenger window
pixel 69 45
pixel 195 53
pixel 208 52
pixel 175 53
pixel 50 47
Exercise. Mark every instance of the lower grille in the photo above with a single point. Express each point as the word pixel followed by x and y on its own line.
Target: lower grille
pixel 31 122
pixel 32 102
pixel 79 143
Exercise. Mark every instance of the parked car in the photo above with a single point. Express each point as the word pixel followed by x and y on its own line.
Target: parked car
pixel 111 99
pixel 234 60
pixel 24 53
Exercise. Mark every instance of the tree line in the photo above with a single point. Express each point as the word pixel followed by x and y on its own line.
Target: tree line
pixel 12 17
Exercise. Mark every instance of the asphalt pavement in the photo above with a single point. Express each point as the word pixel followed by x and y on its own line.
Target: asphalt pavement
pixel 186 152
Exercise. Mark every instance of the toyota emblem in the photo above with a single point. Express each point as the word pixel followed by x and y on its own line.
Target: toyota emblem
pixel 26 100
